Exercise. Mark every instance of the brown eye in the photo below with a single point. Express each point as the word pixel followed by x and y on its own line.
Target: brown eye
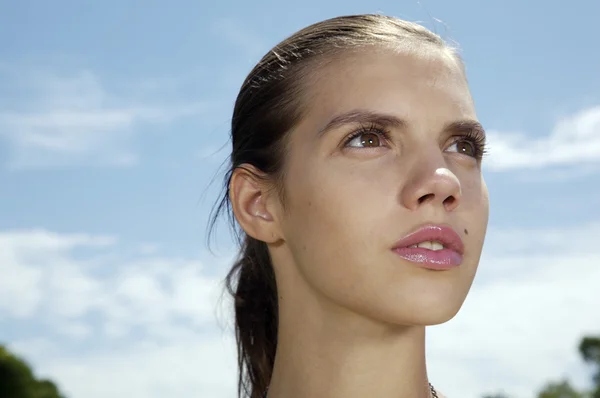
pixel 464 147
pixel 365 140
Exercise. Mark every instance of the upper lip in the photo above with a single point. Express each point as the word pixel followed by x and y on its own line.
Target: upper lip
pixel 439 233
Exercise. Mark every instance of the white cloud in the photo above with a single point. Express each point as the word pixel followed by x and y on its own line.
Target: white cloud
pixel 74 120
pixel 148 327
pixel 188 365
pixel 574 141
pixel 22 294
pixel 58 284
pixel 155 317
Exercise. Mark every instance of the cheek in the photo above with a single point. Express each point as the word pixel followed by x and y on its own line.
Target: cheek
pixel 474 208
pixel 340 198
pixel 320 206
pixel 332 217
pixel 476 196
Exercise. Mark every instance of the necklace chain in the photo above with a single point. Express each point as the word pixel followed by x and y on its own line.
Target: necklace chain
pixel 433 392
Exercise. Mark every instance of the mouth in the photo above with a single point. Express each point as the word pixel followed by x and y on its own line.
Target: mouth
pixel 435 247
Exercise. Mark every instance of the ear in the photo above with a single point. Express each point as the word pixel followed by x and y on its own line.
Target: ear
pixel 254 204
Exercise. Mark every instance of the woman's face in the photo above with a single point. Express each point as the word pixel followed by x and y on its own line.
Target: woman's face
pixel 389 144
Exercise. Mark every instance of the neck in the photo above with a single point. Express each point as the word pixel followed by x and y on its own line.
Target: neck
pixel 324 351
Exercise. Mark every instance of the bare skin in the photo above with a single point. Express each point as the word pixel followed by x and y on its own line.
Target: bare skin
pixel 352 313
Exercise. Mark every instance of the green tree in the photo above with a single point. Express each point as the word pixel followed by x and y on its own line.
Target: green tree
pixel 18 381
pixel 589 348
pixel 561 389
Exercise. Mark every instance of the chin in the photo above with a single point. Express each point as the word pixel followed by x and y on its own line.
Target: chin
pixel 423 311
pixel 434 317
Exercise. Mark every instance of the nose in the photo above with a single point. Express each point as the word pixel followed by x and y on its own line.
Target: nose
pixel 436 186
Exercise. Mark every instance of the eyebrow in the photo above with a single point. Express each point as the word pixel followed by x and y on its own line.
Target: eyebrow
pixel 385 120
pixel 362 117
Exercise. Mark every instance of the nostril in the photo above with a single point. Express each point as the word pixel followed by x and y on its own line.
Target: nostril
pixel 425 198
pixel 449 201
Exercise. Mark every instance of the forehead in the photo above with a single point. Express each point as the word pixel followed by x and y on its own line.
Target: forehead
pixel 424 87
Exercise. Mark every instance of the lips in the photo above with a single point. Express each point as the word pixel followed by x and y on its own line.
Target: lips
pixel 436 233
pixel 436 247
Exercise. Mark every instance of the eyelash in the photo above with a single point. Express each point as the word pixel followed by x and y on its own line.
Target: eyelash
pixel 370 129
pixel 476 138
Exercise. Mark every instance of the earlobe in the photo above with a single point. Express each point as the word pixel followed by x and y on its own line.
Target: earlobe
pixel 250 196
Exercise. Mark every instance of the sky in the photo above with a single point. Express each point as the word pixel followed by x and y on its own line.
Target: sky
pixel 114 123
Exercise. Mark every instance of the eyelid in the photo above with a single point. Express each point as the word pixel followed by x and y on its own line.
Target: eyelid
pixel 372 128
pixel 476 137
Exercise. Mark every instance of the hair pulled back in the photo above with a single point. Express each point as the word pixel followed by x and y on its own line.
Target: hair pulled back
pixel 267 107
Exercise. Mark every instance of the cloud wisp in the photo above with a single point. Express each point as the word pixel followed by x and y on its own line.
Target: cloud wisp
pixel 574 141
pixel 68 121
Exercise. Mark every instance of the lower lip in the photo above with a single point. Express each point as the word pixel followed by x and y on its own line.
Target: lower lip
pixel 438 260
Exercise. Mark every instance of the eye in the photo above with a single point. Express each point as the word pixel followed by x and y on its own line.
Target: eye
pixel 471 144
pixel 371 137
pixel 464 147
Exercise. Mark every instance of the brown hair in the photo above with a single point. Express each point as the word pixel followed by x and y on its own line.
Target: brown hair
pixel 267 107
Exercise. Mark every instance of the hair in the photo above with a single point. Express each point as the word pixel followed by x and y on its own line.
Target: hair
pixel 267 107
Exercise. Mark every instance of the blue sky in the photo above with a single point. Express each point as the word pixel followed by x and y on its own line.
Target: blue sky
pixel 114 119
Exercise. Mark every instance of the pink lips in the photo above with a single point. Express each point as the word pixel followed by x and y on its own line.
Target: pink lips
pixel 449 257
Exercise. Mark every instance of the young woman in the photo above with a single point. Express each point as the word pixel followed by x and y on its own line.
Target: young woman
pixel 356 181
